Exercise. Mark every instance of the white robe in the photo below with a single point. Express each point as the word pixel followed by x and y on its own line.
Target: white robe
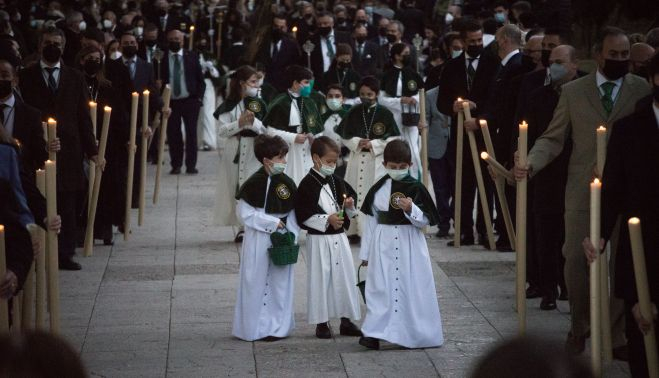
pixel 363 170
pixel 331 283
pixel 264 302
pixel 401 302
pixel 206 131
pixel 410 134
pixel 231 175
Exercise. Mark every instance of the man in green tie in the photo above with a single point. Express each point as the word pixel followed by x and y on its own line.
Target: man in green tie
pixel 597 99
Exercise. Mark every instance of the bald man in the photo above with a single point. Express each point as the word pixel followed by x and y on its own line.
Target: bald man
pixel 533 48
pixel 639 56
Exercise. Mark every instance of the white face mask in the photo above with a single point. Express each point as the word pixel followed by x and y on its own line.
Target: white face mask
pixel 107 24
pixel 333 103
pixel 260 82
pixel 139 30
pixel 455 53
pixel 397 174
pixel 115 55
pixel 251 91
pixel 327 170
pixel 448 19
pixel 277 168
pixel 82 26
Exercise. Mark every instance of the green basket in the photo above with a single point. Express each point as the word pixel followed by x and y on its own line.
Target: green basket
pixel 361 284
pixel 284 251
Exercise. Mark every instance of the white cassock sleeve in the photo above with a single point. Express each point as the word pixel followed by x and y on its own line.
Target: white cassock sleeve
pixel 352 144
pixel 417 217
pixel 371 223
pixel 351 212
pixel 258 220
pixel 227 126
pixel 391 103
pixel 291 224
pixel 285 135
pixel 318 222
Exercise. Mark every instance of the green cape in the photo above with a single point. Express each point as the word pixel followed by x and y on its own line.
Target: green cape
pixel 279 113
pixel 352 125
pixel 281 193
pixel 411 82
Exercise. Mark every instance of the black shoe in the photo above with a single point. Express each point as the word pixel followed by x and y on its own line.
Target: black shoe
pixel 108 241
pixel 239 237
pixel 271 338
pixel 533 292
pixel 442 234
pixel 175 171
pixel 504 246
pixel 563 296
pixel 69 264
pixel 464 241
pixel 548 303
pixel 575 345
pixel 354 239
pixel 323 331
pixel 621 353
pixel 349 328
pixel 191 171
pixel 369 342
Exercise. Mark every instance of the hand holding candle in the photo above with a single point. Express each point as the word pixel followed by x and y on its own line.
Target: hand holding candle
pixel 343 206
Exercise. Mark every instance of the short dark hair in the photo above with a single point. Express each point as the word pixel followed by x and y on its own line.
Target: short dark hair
pixel 607 31
pixel 322 144
pixel 268 147
pixel 280 16
pixel 52 30
pixel 297 73
pixel 150 26
pixel 397 151
pixel 468 27
pixel 652 38
pixel 371 82
pixel 653 66
pixel 528 19
pixel 335 86
pixel 7 54
pixel 397 49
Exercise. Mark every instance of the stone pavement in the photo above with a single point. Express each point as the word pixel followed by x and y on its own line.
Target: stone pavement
pixel 161 304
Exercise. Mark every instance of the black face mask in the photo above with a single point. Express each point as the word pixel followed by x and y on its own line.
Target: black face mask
pixel 277 34
pixel 340 21
pixel 391 38
pixel 5 88
pixel 91 67
pixel 343 65
pixel 544 58
pixel 129 51
pixel 324 31
pixel 382 32
pixel 174 46
pixel 367 101
pixel 641 71
pixel 360 39
pixel 615 69
pixel 150 43
pixel 407 60
pixel 474 50
pixel 51 53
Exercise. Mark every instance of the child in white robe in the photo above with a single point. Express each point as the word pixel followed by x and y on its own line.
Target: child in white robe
pixel 401 302
pixel 324 205
pixel 264 303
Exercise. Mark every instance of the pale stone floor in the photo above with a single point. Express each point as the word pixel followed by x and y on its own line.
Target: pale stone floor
pixel 161 304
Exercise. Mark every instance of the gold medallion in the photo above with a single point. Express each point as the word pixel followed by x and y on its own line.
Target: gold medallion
pixel 411 85
pixel 395 197
pixel 379 129
pixel 282 191
pixel 254 106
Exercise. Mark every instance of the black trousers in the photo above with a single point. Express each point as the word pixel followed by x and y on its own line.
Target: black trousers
pixel 638 365
pixel 186 109
pixel 549 235
pixel 67 208
pixel 444 185
pixel 469 192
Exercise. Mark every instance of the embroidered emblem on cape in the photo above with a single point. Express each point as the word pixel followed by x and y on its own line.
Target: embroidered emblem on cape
pixel 311 121
pixel 379 129
pixel 395 197
pixel 254 106
pixel 411 85
pixel 282 191
pixel 323 109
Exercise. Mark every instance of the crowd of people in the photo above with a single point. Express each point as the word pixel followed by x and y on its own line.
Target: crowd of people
pixel 314 108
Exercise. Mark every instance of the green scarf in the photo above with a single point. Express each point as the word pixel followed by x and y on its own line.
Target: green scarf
pixel 279 114
pixel 280 196
pixel 382 127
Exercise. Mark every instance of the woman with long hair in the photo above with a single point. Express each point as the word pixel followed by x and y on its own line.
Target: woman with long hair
pixel 110 210
pixel 239 121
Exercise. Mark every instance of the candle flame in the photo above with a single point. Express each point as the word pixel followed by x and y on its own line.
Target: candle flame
pixel 596 181
pixel 92 103
pixel 146 92
pixel 344 195
pixel 107 109
pixel 634 221
pixel 523 125
pixel 483 123
pixel 51 120
pixel 2 228
pixel 601 128
pixel 135 94
pixel 485 155
pixel 459 98
pixel 294 29
pixel 191 28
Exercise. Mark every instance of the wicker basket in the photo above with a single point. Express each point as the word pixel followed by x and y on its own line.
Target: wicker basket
pixel 284 251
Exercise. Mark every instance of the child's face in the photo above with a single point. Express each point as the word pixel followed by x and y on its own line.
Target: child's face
pixel 298 85
pixel 329 159
pixel 392 165
pixel 268 163
pixel 335 94
pixel 367 93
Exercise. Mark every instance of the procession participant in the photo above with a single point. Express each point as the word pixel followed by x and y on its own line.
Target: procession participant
pixel 264 303
pixel 324 206
pixel 401 301
pixel 365 130
pixel 336 111
pixel 342 73
pixel 295 118
pixel 239 122
pixel 400 94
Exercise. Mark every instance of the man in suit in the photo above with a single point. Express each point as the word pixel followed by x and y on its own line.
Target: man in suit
pixel 366 52
pixel 325 41
pixel 469 77
pixel 166 20
pixel 599 98
pixel 182 71
pixel 629 189
pixel 395 31
pixel 21 121
pixel 149 43
pixel 59 92
pixel 379 35
pixel 278 52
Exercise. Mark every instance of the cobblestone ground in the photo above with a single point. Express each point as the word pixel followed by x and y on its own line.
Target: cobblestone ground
pixel 161 304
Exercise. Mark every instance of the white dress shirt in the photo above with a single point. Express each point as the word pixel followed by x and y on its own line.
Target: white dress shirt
pixel 323 48
pixel 507 58
pixel 474 63
pixel 184 88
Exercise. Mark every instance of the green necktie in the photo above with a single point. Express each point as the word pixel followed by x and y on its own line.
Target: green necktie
pixel 607 99
pixel 177 75
pixel 330 48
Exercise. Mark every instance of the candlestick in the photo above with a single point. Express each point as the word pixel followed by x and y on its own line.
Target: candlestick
pixel 457 202
pixel 294 30
pixel 27 303
pixel 166 96
pixel 190 41
pixel 52 135
pixel 642 288
pixel 595 315
pixel 40 264
pixel 131 162
pixel 53 252
pixel 601 150
pixel 424 137
pixel 499 183
pixel 93 106
pixel 92 113
pixel 143 153
pixel 89 235
pixel 479 178
pixel 521 229
pixel 4 309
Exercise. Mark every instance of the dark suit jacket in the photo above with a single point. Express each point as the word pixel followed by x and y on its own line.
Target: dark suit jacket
pixel 17 240
pixel 74 125
pixel 235 56
pixel 29 132
pixel 289 53
pixel 384 58
pixel 453 84
pixel 194 78
pixel 144 79
pixel 118 74
pixel 528 83
pixel 317 55
pixel 629 189
pixel 366 63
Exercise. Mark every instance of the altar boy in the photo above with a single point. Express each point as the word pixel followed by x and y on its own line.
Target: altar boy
pixel 325 203
pixel 401 303
pixel 264 304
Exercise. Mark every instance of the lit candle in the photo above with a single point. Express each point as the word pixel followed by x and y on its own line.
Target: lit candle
pixel 644 303
pixel 521 229
pixel 466 109
pixel 53 269
pixel 166 96
pixel 4 312
pixel 40 263
pixel 52 135
pixel 500 170
pixel 190 41
pixel 145 109
pixel 131 162
pixel 143 155
pixel 294 32
pixel 92 113
pixel 601 150
pixel 595 298
pixel 458 180
pixel 343 206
